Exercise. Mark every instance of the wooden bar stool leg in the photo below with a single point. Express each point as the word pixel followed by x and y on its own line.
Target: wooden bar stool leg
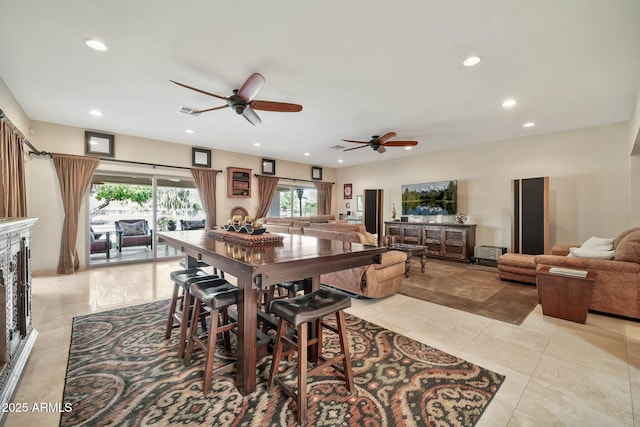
pixel 193 331
pixel 211 351
pixel 172 311
pixel 184 326
pixel 302 373
pixel 344 346
pixel 277 353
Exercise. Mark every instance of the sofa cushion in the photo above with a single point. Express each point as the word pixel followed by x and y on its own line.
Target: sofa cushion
pixel 628 248
pixel 132 229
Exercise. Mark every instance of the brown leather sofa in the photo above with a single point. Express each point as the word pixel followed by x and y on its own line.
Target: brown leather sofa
pixel 371 281
pixel 617 286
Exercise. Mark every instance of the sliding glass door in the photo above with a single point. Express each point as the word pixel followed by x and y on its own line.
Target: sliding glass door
pixel 126 210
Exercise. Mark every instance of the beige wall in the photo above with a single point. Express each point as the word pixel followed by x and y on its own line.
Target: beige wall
pixel 589 181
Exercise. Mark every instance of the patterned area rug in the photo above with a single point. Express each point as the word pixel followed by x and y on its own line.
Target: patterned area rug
pixel 122 372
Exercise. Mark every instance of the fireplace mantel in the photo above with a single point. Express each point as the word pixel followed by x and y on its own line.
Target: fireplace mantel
pixel 16 331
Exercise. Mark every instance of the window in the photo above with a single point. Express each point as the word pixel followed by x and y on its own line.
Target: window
pixel 294 200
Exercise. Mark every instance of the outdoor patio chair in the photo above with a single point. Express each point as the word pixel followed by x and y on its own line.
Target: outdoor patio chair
pixel 133 232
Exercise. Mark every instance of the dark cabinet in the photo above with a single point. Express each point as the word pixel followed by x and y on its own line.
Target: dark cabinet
pixel 451 241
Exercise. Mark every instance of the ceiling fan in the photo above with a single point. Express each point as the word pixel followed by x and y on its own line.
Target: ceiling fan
pixel 242 101
pixel 377 143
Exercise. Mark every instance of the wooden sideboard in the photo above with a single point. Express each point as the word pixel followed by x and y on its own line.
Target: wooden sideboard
pixel 17 335
pixel 446 240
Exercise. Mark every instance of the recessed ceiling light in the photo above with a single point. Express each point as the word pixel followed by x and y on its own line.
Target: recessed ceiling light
pixel 340 161
pixel 96 113
pixel 307 154
pixel 508 103
pixel 528 125
pixel 97 45
pixel 189 131
pixel 471 61
pixel 257 144
pixel 408 148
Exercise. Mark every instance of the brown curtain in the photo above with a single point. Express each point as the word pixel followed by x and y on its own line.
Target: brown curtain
pixel 324 197
pixel 205 180
pixel 13 192
pixel 267 186
pixel 74 177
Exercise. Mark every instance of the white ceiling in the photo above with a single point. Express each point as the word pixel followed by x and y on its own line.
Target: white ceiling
pixel 359 68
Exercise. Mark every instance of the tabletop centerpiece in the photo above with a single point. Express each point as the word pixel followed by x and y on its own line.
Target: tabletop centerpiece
pixel 247 224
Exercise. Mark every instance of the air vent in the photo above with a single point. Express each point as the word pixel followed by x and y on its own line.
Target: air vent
pixel 188 110
pixel 337 147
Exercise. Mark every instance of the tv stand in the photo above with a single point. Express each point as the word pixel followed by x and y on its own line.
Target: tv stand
pixel 443 240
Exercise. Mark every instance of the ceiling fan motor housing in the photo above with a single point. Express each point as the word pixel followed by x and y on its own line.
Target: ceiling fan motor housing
pixel 237 104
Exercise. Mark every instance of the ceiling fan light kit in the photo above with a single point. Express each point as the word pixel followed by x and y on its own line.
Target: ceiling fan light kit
pixel 242 102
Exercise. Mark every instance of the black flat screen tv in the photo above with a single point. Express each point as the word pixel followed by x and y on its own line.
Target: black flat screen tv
pixel 432 198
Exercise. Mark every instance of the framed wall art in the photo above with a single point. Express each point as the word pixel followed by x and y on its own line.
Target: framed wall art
pixel 268 167
pixel 99 144
pixel 316 173
pixel 200 157
pixel 348 190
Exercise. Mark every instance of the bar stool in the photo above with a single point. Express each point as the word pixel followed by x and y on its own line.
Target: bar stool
pixel 291 288
pixel 217 299
pixel 181 302
pixel 201 264
pixel 298 312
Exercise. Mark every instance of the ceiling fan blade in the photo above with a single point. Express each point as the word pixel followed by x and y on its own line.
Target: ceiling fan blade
pixel 282 107
pixel 251 87
pixel 210 109
pixel 381 149
pixel 401 143
pixel 354 148
pixel 357 142
pixel 199 90
pixel 251 116
pixel 387 136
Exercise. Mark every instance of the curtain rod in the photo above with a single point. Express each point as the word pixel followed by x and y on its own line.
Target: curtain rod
pixel 155 165
pixel 294 179
pixel 26 141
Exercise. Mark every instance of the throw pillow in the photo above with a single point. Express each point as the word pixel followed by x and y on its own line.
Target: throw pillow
pixel 590 253
pixel 598 244
pixel 628 248
pixel 133 228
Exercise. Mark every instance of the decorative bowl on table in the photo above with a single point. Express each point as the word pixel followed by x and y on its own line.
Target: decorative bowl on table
pixel 244 225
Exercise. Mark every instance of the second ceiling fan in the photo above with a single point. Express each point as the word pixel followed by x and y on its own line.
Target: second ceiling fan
pixel 378 143
pixel 242 101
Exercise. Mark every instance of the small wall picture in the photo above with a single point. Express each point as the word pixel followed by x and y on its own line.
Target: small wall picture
pixel 200 157
pixel 359 203
pixel 316 173
pixel 348 190
pixel 99 144
pixel 268 167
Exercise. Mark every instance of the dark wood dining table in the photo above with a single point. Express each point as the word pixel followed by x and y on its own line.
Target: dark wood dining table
pixel 259 267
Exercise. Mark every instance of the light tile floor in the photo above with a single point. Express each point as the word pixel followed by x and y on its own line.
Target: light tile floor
pixel 558 373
